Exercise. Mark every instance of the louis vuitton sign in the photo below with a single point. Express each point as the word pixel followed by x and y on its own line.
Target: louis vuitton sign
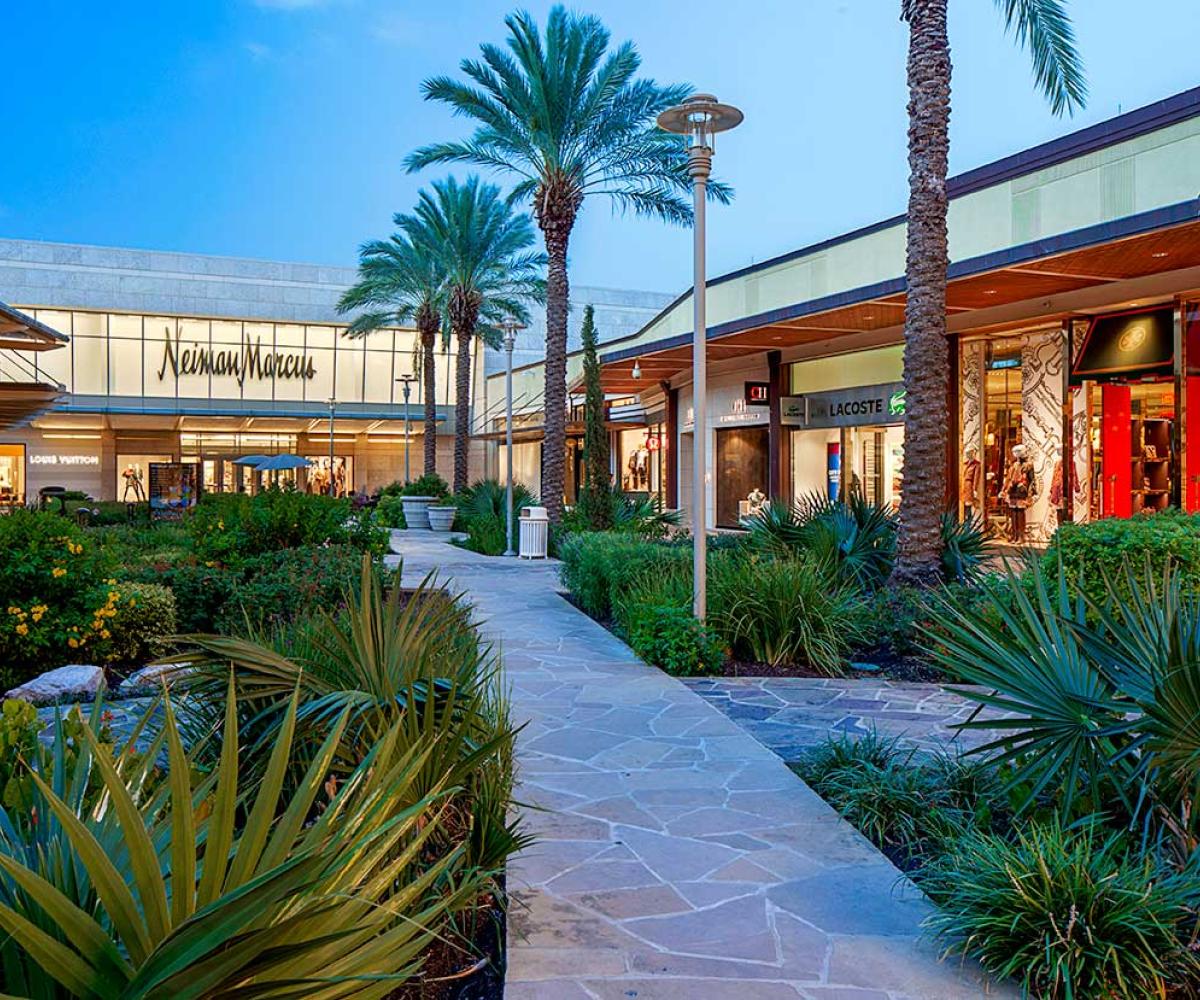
pixel 246 360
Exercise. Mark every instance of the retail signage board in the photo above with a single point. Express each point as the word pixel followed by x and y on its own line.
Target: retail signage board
pixel 853 407
pixel 174 488
pixel 758 394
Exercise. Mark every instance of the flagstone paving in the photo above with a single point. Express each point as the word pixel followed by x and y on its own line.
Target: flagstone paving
pixel 677 857
pixel 790 715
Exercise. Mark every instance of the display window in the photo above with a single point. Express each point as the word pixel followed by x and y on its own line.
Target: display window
pixel 133 476
pixel 12 475
pixel 317 475
pixel 640 460
pixel 1006 491
pixel 838 462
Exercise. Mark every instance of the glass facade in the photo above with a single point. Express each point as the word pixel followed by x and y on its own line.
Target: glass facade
pixel 168 357
pixel 12 474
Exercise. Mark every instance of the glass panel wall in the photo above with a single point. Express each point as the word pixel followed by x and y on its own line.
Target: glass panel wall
pixel 12 475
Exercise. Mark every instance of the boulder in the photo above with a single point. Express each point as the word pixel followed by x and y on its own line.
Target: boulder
pixel 152 677
pixel 73 682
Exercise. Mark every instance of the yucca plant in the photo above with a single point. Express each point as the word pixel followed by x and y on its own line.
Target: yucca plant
pixel 488 498
pixel 965 546
pixel 205 891
pixel 1100 716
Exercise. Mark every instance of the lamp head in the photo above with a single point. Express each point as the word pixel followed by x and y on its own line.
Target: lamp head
pixel 511 327
pixel 700 117
pixel 637 369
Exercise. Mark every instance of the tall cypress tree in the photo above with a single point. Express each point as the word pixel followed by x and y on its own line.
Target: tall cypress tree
pixel 595 499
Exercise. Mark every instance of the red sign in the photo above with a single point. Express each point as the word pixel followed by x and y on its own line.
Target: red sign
pixel 758 393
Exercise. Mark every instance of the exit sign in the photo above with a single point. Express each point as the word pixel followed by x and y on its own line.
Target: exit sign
pixel 758 393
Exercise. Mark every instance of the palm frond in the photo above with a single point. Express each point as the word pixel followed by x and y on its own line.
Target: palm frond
pixel 1044 28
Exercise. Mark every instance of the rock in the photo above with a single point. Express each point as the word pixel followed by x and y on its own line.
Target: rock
pixel 74 682
pixel 152 677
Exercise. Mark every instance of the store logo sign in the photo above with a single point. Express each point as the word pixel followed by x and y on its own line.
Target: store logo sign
pixel 896 403
pixel 854 407
pixel 64 459
pixel 248 360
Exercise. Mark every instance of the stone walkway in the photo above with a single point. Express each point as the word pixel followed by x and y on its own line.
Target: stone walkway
pixel 790 715
pixel 677 857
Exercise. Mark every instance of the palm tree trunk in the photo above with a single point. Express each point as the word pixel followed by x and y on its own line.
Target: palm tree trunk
pixel 554 446
pixel 462 405
pixel 926 351
pixel 429 397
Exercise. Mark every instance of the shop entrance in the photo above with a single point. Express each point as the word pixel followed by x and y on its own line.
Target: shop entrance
pixel 838 462
pixel 741 471
pixel 1134 444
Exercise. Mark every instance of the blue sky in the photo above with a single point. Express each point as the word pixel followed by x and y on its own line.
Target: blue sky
pixel 277 128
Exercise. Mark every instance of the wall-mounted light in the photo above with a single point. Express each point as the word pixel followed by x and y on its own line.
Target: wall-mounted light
pixel 637 369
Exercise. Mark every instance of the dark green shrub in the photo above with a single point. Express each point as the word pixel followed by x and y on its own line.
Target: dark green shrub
pixel 137 621
pixel 428 485
pixel 1091 551
pixel 200 593
pixel 598 566
pixel 389 512
pixel 486 535
pixel 670 637
pixel 280 587
pixel 1070 913
pixel 229 527
pixel 784 610
pixel 142 551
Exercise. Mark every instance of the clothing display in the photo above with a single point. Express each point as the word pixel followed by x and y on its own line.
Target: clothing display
pixel 970 486
pixel 133 484
pixel 1020 491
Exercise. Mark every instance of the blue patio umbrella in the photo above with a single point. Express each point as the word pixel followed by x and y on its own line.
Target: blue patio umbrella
pixel 250 459
pixel 279 462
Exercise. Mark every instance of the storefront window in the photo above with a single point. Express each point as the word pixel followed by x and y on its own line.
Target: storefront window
pixel 639 460
pixel 133 476
pixel 316 476
pixel 866 462
pixel 12 475
pixel 1001 434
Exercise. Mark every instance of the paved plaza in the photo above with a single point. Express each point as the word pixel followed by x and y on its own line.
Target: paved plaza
pixel 677 857
pixel 793 714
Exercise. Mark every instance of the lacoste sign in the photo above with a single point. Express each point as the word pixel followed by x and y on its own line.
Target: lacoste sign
pixel 867 404
pixel 247 360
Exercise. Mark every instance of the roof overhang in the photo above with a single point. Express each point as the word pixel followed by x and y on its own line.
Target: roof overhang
pixel 20 332
pixel 1139 246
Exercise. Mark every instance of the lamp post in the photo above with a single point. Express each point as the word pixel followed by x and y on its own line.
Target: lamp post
pixel 699 118
pixel 406 381
pixel 332 405
pixel 511 326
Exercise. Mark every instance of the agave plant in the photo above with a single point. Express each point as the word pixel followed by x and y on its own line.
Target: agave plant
pixel 1103 701
pixel 642 515
pixel 202 890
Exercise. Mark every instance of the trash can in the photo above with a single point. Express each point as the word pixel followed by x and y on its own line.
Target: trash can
pixel 535 533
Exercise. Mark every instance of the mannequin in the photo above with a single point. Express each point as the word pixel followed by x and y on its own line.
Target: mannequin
pixel 1020 490
pixel 970 483
pixel 133 483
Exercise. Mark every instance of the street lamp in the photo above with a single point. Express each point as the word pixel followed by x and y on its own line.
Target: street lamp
pixel 407 381
pixel 332 405
pixel 511 326
pixel 699 118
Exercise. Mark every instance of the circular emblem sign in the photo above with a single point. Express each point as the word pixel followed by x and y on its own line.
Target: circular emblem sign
pixel 1133 338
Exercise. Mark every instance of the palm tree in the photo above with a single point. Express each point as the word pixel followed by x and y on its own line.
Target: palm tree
pixel 402 282
pixel 568 118
pixel 1044 28
pixel 489 273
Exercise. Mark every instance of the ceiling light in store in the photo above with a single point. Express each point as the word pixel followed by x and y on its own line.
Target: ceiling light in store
pixel 1159 254
pixel 989 291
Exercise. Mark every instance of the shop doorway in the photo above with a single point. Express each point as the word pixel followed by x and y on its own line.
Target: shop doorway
pixel 12 475
pixel 837 462
pixel 741 471
pixel 1134 447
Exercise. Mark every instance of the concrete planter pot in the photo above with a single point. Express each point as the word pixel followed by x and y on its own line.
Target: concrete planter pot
pixel 416 511
pixel 440 518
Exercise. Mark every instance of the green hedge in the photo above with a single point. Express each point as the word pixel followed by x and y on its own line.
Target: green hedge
pixel 1112 545
pixel 598 566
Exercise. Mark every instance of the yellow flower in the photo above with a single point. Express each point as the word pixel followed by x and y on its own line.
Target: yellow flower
pixel 132 603
pixel 97 625
pixel 14 610
pixel 111 582
pixel 73 643
pixel 22 629
pixel 105 634
pixel 37 616
pixel 59 571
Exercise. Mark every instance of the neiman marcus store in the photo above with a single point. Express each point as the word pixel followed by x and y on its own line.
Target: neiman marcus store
pixel 148 386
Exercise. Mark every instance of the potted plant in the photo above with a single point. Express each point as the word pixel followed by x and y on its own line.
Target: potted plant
pixel 441 515
pixel 416 511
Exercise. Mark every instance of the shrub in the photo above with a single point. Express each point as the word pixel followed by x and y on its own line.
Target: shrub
pixel 19 728
pixel 428 485
pixel 1104 548
pixel 598 566
pixel 200 593
pixel 52 581
pixel 228 527
pixel 138 617
pixel 486 535
pixel 670 637
pixel 137 551
pixel 389 512
pixel 280 587
pixel 340 887
pixel 784 610
pixel 1071 913
pixel 965 547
